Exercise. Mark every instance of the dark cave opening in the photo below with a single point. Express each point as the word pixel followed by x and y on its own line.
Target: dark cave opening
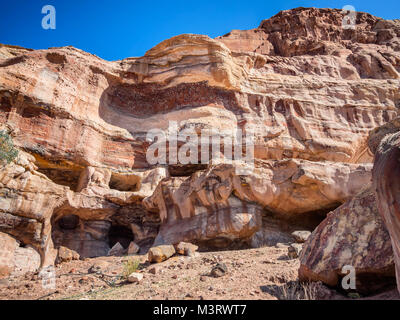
pixel 128 182
pixel 64 177
pixel 185 170
pixel 68 222
pixel 121 234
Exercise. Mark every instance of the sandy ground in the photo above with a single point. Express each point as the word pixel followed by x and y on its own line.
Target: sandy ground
pixel 264 273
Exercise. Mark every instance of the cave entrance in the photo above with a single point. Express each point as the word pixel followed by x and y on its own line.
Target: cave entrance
pixel 64 177
pixel 68 222
pixel 124 182
pixel 121 234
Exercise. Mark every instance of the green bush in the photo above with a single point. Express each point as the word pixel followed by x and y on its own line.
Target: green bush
pixel 7 151
pixel 130 266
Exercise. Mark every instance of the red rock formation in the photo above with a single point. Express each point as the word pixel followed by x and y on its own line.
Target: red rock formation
pixel 386 173
pixel 352 235
pixel 308 90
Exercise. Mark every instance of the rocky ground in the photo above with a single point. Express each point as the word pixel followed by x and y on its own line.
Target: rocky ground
pixel 264 273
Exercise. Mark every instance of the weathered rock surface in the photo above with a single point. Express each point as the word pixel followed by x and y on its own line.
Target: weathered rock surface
pixel 133 248
pixel 386 175
pixel 218 203
pixel 294 250
pixel 309 90
pixel 161 253
pixel 116 250
pixel 301 236
pixel 15 259
pixel 135 277
pixel 186 248
pixel 65 254
pixel 219 270
pixel 354 235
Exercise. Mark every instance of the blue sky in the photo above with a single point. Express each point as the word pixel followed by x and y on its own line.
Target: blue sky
pixel 118 29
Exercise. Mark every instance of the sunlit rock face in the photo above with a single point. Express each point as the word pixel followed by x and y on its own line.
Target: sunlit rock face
pixel 385 142
pixel 352 235
pixel 305 88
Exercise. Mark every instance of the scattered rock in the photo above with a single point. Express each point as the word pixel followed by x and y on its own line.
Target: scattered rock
pixel 65 254
pixel 155 270
pixel 281 245
pixel 99 267
pixel 186 248
pixel 219 270
pixel 161 253
pixel 301 236
pixel 84 280
pixel 116 250
pixel 294 250
pixel 133 248
pixel 203 278
pixel 135 277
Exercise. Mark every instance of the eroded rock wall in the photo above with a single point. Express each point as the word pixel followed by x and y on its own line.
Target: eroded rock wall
pixel 309 91
pixel 386 183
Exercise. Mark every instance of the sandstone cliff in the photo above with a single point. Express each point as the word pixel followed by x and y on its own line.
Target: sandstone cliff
pixel 309 90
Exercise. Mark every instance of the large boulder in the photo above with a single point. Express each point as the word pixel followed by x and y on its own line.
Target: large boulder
pixel 352 235
pixel 16 259
pixel 386 174
pixel 161 253
pixel 221 203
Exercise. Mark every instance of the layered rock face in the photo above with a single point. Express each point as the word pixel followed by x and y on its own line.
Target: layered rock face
pixel 306 89
pixel 385 181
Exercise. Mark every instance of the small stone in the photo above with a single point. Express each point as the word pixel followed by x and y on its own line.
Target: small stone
pixel 133 248
pixel 161 253
pixel 135 277
pixel 219 270
pixel 154 270
pixel 281 245
pixel 116 250
pixel 186 248
pixel 65 254
pixel 203 278
pixel 211 288
pixel 174 276
pixel 99 267
pixel 301 236
pixel 83 280
pixel 294 250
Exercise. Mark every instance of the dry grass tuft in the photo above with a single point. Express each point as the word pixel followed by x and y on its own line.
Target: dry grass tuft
pixel 296 290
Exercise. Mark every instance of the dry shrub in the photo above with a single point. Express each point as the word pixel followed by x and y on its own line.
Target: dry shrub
pixel 296 290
